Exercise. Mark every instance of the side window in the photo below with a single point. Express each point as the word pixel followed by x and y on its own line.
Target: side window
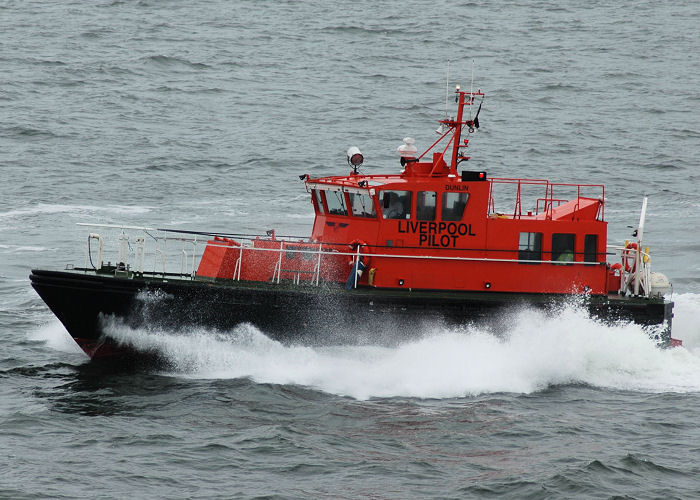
pixel 590 248
pixel 453 205
pixel 336 202
pixel 530 246
pixel 426 202
pixel 563 247
pixel 317 198
pixel 362 205
pixel 396 204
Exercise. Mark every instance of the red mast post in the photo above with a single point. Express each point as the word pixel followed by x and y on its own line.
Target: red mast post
pixel 458 124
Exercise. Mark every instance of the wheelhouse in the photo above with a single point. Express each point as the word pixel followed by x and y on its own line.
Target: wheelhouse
pixel 551 239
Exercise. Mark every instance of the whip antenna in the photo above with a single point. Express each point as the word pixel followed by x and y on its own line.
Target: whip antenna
pixel 471 90
pixel 447 85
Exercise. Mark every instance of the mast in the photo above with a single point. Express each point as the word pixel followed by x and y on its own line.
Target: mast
pixel 456 138
pixel 454 126
pixel 463 98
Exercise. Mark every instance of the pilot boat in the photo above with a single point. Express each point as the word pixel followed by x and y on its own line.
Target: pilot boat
pixel 432 243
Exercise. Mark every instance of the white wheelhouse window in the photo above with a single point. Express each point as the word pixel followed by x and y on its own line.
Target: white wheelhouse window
pixel 336 202
pixel 426 204
pixel 396 204
pixel 453 205
pixel 362 205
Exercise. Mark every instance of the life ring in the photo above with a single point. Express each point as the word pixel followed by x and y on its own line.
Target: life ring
pixel 360 243
pixel 629 257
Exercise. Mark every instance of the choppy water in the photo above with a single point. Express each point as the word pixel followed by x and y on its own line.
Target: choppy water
pixel 170 114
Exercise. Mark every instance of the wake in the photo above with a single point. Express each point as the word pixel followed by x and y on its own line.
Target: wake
pixel 535 351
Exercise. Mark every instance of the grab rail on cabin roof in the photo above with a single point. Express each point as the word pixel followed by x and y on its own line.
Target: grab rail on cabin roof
pixel 548 199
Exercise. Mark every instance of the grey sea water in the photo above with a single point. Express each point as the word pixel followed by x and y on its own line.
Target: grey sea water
pixel 201 115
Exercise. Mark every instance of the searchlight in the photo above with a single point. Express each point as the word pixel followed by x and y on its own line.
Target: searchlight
pixel 355 158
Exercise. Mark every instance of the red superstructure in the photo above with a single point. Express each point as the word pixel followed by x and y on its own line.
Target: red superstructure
pixel 431 227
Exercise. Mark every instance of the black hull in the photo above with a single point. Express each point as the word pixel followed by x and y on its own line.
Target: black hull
pixel 326 314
